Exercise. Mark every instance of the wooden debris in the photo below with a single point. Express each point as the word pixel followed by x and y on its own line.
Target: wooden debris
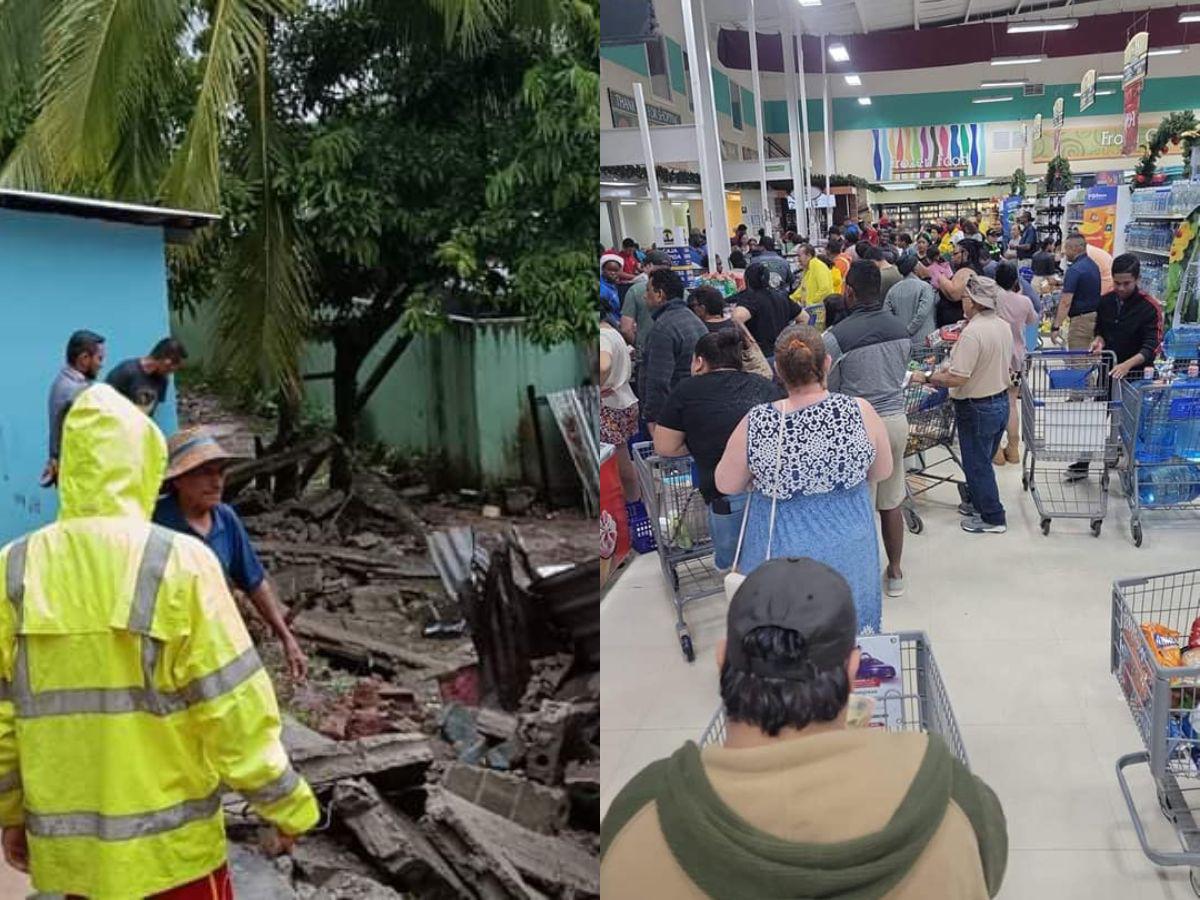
pixel 361 649
pixel 360 562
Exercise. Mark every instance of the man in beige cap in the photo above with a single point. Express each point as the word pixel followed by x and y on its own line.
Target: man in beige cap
pixel 978 378
pixel 195 482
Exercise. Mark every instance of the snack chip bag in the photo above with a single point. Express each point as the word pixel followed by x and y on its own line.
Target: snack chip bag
pixel 1165 644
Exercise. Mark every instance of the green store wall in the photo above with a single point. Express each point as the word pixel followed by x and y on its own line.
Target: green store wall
pixel 460 395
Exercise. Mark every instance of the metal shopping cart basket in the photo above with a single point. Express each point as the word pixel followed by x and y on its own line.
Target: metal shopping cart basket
pixel 919 704
pixel 930 417
pixel 1165 703
pixel 1069 425
pixel 679 517
pixel 1160 433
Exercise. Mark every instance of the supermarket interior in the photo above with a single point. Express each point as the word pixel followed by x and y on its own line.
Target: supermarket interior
pixel 1026 573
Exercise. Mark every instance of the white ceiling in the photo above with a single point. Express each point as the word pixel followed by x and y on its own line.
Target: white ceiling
pixel 860 16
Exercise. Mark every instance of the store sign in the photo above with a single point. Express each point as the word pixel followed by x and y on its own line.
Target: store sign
pixel 1093 143
pixel 1136 56
pixel 1099 224
pixel 927 151
pixel 1058 125
pixel 624 112
pixel 1087 89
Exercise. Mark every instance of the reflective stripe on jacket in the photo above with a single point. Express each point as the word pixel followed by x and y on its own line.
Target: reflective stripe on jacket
pixel 130 691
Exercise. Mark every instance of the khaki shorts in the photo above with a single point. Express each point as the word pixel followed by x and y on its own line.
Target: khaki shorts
pixel 1081 331
pixel 890 493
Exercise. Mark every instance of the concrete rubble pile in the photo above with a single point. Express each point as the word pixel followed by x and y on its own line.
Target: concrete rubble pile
pixel 451 724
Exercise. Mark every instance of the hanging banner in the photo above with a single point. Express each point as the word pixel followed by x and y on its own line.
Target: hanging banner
pixel 1037 127
pixel 1009 207
pixel 927 151
pixel 1136 56
pixel 1087 89
pixel 1098 142
pixel 1099 224
pixel 1058 124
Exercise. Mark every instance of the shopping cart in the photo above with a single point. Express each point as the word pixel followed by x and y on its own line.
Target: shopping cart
pixel 679 517
pixel 930 425
pixel 1165 703
pixel 1068 420
pixel 921 703
pixel 1160 432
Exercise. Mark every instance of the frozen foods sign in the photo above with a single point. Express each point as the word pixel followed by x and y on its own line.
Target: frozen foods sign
pixel 927 151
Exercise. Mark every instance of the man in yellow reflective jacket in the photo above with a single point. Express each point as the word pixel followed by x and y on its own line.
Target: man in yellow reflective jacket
pixel 131 695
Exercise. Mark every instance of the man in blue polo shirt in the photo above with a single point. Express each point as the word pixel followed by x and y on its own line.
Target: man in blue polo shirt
pixel 195 482
pixel 1080 296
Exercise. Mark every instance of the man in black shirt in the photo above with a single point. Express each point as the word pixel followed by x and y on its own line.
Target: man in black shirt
pixel 699 417
pixel 143 380
pixel 1128 321
pixel 764 310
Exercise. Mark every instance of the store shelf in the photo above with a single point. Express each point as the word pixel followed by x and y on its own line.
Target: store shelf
pixel 1149 252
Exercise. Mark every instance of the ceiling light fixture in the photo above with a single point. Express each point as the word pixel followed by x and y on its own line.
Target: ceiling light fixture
pixel 899 187
pixel 992 99
pixel 1167 51
pixel 810 2
pixel 1186 17
pixel 1015 82
pixel 1017 60
pixel 1097 93
pixel 629 203
pixel 973 182
pixel 620 183
pixel 1047 25
pixel 864 101
pixel 839 53
pixel 1114 76
pixel 853 80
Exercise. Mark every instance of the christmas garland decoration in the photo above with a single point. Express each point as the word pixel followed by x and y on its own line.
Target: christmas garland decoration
pixel 1058 175
pixel 1019 183
pixel 1175 128
pixel 638 173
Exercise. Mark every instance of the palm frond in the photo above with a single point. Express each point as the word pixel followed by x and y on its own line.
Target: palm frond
pixel 236 28
pixel 21 29
pixel 103 60
pixel 264 289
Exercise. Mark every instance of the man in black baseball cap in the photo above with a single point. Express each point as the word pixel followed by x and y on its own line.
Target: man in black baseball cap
pixel 795 803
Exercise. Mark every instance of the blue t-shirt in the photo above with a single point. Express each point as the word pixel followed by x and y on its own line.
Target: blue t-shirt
pixel 227 539
pixel 1082 282
pixel 1029 238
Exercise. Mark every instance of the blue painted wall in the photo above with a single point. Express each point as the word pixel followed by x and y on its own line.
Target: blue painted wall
pixel 59 274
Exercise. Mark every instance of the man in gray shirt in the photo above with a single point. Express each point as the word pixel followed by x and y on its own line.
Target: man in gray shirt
pixel 85 359
pixel 913 301
pixel 636 320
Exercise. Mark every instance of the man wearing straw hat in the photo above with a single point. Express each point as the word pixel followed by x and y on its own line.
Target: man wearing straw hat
pixel 195 482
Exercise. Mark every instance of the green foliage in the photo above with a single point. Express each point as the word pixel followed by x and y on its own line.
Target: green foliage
pixel 1019 183
pixel 1058 175
pixel 1174 128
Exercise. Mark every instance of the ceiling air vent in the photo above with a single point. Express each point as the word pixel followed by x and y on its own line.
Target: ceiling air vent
pixel 1034 90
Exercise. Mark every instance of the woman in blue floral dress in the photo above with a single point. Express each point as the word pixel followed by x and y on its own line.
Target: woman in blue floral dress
pixel 814 456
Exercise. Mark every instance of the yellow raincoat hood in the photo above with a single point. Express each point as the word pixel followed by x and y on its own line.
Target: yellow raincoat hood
pixel 113 458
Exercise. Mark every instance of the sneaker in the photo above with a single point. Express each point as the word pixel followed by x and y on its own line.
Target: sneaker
pixel 895 586
pixel 967 509
pixel 1072 475
pixel 976 525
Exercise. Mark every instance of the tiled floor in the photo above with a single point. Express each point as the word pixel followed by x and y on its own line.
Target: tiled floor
pixel 1020 627
pixel 13 885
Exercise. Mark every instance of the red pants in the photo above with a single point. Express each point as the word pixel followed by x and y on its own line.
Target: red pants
pixel 213 886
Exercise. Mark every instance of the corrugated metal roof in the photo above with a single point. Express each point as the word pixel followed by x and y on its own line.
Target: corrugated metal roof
pixel 179 224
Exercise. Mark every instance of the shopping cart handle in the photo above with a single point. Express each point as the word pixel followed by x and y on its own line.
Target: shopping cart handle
pixel 1158 857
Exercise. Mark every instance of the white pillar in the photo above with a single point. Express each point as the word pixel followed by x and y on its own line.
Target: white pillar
pixel 829 163
pixel 639 96
pixel 799 184
pixel 708 139
pixel 810 215
pixel 759 107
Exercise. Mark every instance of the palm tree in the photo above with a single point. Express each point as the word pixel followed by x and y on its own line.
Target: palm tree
pixel 133 100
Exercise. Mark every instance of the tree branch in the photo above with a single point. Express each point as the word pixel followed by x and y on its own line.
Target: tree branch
pixel 380 372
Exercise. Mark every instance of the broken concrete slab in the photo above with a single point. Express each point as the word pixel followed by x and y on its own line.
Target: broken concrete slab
pixel 318 858
pixel 361 649
pixel 396 844
pixel 495 723
pixel 255 877
pixel 355 886
pixel 363 562
pixel 490 850
pixel 544 734
pixel 535 806
pixel 402 756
